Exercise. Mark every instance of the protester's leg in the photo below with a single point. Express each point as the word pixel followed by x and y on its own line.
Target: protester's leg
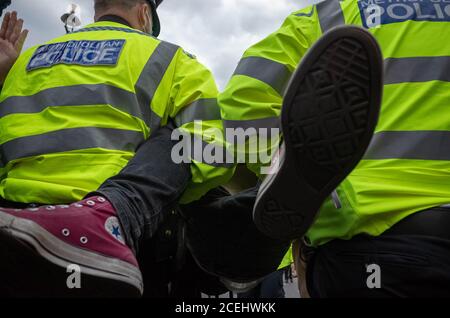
pixel 224 240
pixel 252 293
pixel 88 233
pixel 271 286
pixel 190 281
pixel 149 186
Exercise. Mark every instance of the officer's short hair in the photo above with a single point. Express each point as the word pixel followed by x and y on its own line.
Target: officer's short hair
pixel 101 5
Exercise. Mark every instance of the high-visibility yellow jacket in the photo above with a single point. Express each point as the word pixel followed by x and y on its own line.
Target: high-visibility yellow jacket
pixel 74 111
pixel 407 167
pixel 288 259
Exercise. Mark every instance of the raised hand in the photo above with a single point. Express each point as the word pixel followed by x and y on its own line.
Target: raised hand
pixel 12 39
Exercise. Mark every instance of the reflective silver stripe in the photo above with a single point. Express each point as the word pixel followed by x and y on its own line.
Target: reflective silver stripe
pixel 138 105
pixel 446 206
pixel 78 95
pixel 414 145
pixel 202 109
pixel 272 73
pixel 151 77
pixel 271 122
pixel 336 199
pixel 69 140
pixel 417 69
pixel 330 14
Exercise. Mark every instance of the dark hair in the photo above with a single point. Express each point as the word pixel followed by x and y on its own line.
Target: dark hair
pixel 101 5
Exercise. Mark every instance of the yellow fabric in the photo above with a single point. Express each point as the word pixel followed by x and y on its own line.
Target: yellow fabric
pixel 288 259
pixel 378 193
pixel 67 176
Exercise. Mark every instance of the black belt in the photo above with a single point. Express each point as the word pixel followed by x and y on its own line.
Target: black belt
pixel 433 222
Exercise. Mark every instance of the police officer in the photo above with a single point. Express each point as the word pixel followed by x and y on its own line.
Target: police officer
pixel 83 133
pixel 337 106
pixel 74 112
pixel 384 232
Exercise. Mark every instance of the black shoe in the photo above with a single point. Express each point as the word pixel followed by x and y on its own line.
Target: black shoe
pixel 328 119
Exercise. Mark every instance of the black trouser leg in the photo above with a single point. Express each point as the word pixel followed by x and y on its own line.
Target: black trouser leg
pixel 224 240
pixel 404 265
pixel 147 188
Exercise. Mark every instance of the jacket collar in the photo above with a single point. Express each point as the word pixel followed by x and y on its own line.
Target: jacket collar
pixel 114 18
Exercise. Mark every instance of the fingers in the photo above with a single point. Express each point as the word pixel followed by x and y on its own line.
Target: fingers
pixel 5 25
pixel 11 25
pixel 18 45
pixel 11 31
pixel 17 31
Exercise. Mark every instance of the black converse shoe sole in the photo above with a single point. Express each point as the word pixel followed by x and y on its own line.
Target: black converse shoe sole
pixel 328 119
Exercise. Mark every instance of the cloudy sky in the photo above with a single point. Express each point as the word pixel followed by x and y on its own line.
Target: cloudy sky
pixel 216 31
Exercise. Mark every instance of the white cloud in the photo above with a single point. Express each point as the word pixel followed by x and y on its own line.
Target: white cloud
pixel 216 31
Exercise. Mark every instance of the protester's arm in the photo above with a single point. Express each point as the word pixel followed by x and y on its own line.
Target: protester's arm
pixel 12 39
pixel 195 110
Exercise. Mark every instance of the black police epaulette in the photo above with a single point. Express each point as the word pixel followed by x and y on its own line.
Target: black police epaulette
pixel 192 56
pixel 3 5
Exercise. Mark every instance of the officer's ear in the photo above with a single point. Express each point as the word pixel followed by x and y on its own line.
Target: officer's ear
pixel 145 18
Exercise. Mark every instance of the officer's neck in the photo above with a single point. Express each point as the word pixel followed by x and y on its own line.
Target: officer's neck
pixel 114 18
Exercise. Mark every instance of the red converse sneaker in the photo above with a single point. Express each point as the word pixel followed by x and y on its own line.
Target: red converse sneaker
pixel 66 250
